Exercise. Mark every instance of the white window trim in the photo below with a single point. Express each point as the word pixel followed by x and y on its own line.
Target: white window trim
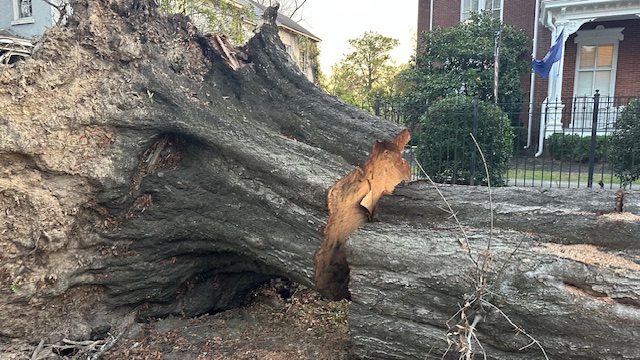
pixel 481 5
pixel 17 20
pixel 599 36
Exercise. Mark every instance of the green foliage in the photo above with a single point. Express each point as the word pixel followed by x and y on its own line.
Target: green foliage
pixel 445 146
pixel 576 148
pixel 625 149
pixel 459 60
pixel 366 72
pixel 214 16
pixel 313 54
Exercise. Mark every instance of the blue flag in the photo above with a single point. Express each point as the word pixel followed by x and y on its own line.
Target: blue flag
pixel 543 67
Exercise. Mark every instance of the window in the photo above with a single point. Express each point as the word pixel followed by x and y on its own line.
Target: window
pixel 22 12
pixel 303 60
pixel 469 7
pixel 596 70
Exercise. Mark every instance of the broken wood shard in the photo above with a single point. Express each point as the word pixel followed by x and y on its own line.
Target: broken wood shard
pixel 351 202
pixel 226 50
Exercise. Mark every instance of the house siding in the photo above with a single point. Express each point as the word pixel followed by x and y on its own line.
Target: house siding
pixel 41 16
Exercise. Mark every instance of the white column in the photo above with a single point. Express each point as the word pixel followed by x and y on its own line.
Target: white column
pixel 554 93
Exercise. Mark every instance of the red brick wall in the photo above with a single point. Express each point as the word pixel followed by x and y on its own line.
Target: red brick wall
pixel 628 72
pixel 520 13
pixel 423 19
pixel 628 69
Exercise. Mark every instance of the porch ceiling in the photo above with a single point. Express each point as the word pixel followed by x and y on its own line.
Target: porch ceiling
pixel 581 11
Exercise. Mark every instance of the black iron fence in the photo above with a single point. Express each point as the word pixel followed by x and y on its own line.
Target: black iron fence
pixel 564 144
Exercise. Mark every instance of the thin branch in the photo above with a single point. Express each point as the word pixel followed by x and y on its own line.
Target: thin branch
pixel 486 169
pixel 519 329
pixel 36 352
pixel 484 353
pixel 297 6
pixel 451 212
pixel 62 9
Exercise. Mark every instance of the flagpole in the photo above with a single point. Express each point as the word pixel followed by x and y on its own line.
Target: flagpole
pixel 533 73
pixel 496 64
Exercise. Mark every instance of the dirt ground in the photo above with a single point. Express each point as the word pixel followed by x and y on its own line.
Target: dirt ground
pixel 281 321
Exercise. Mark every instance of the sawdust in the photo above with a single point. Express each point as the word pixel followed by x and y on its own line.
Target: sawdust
pixel 625 216
pixel 589 254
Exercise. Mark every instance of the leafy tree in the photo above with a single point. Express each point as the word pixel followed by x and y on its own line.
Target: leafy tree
pixel 459 60
pixel 366 71
pixel 214 16
pixel 625 145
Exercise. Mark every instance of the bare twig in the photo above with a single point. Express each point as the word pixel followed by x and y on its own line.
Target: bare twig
pixel 463 333
pixel 452 214
pixel 519 329
pixel 62 9
pixel 486 169
pixel 36 352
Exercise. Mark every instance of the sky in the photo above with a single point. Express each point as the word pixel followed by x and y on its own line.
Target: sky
pixel 337 21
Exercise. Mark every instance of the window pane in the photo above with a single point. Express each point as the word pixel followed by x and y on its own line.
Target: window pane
pixel 466 6
pixel 474 5
pixel 585 83
pixel 587 56
pixel 603 81
pixel 25 8
pixel 605 55
pixel 495 5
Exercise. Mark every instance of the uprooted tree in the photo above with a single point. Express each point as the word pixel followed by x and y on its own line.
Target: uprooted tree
pixel 148 170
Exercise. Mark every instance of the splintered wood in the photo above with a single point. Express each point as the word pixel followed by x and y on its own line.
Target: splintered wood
pixel 231 55
pixel 352 201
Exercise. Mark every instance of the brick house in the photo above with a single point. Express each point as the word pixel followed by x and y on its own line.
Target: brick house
pixel 601 46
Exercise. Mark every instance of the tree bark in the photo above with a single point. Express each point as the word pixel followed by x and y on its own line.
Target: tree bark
pixel 148 168
pixel 561 265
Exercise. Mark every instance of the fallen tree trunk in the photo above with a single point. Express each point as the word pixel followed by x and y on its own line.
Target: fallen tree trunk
pixel 561 266
pixel 152 170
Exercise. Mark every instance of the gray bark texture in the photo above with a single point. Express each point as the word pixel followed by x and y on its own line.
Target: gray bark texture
pixel 561 265
pixel 148 169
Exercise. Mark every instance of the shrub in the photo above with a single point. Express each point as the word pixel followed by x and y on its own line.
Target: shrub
pixel 445 147
pixel 625 144
pixel 576 148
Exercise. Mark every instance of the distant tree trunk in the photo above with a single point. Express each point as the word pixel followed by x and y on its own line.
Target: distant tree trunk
pixel 562 266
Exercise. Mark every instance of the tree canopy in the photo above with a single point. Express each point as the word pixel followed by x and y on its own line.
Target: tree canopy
pixel 214 16
pixel 366 71
pixel 459 60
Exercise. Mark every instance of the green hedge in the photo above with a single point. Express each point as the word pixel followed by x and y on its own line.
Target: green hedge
pixel 625 150
pixel 445 147
pixel 576 148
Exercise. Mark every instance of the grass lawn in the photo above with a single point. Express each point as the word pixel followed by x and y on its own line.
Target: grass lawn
pixel 546 175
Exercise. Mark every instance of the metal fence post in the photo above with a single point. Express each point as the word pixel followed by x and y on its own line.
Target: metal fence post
pixel 377 106
pixel 473 145
pixel 594 127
